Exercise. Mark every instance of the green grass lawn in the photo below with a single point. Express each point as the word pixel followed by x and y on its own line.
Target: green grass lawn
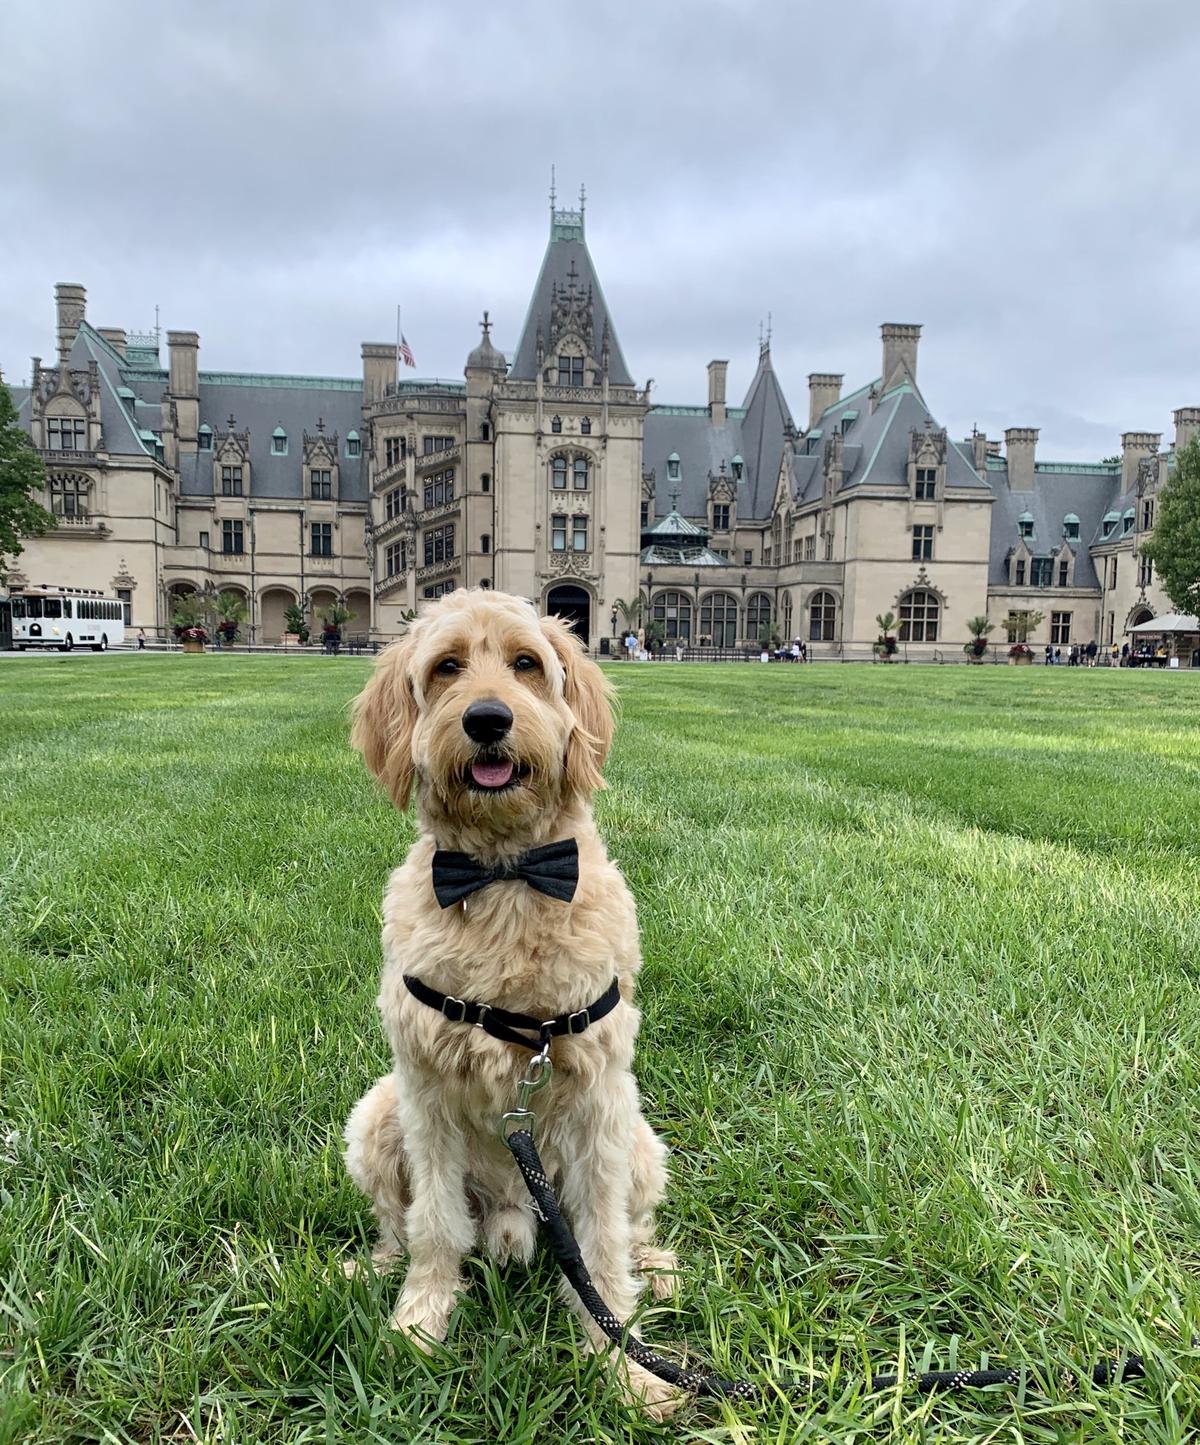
pixel 921 1023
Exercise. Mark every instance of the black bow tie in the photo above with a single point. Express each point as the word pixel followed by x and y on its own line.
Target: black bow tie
pixel 552 870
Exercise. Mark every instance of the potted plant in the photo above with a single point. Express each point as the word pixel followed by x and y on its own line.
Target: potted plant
pixel 231 613
pixel 1020 625
pixel 193 638
pixel 187 616
pixel 296 624
pixel 886 646
pixel 332 619
pixel 976 649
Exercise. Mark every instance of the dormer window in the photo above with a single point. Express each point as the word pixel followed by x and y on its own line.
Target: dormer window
pixel 279 442
pixel 1071 527
pixel 570 370
pixel 673 467
pixel 1025 524
pixel 926 484
pixel 66 434
pixel 204 439
pixel 1109 524
pixel 1127 522
pixel 556 424
pixel 231 481
pixel 353 444
pixel 585 426
pixel 738 466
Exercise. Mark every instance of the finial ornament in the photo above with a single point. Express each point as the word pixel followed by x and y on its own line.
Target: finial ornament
pixel 582 199
pixel 486 326
pixel 674 495
pixel 553 192
pixel 230 423
pixel 321 424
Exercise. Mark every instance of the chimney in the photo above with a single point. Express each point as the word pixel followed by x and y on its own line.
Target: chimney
pixel 1134 446
pixel 1020 448
pixel 70 304
pixel 1187 424
pixel 899 353
pixel 979 450
pixel 184 385
pixel 716 391
pixel 379 370
pixel 824 388
pixel 116 338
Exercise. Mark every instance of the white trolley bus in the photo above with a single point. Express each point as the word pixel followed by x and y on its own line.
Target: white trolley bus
pixel 65 617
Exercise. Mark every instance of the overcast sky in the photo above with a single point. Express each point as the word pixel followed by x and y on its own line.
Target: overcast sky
pixel 1020 178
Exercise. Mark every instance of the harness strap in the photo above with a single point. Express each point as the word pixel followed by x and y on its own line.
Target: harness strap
pixel 570 1261
pixel 502 1023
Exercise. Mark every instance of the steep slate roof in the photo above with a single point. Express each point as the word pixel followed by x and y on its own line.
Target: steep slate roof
pixel 701 446
pixel 766 417
pixel 566 248
pixel 1059 489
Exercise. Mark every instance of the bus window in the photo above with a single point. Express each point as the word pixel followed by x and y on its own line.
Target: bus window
pixel 66 607
pixel 18 607
pixel 51 607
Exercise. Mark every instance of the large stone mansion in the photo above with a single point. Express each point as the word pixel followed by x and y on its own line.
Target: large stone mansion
pixel 553 475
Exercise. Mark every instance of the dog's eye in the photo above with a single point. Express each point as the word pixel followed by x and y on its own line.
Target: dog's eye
pixel 447 667
pixel 525 663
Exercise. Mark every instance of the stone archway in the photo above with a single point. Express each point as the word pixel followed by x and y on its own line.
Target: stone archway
pixel 273 602
pixel 318 600
pixel 358 603
pixel 574 605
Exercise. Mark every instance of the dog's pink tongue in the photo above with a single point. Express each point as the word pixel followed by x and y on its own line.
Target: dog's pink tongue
pixel 492 775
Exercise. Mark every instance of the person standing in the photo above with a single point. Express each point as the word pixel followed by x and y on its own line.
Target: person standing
pixel 141 639
pixel 1049 654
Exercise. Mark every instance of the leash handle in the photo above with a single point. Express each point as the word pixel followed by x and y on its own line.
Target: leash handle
pixel 570 1259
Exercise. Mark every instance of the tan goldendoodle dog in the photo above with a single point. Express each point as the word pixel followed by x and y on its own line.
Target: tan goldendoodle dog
pixel 500 725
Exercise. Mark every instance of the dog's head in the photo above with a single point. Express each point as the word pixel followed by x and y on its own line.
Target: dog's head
pixel 497 716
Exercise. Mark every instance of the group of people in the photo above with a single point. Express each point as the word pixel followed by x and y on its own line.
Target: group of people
pixel 1078 655
pixel 1087 655
pixel 794 651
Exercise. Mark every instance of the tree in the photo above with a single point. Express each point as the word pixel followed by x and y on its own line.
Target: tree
pixel 1021 623
pixel 231 613
pixel 630 611
pixel 1174 547
pixel 22 479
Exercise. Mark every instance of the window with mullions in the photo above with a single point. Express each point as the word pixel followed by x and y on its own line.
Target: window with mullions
pixel 231 481
pixel 558 534
pixel 579 534
pixel 439 544
pixel 439 589
pixel 1064 568
pixel 758 615
pixel 720 517
pixel 232 536
pixel 810 548
pixel 394 451
pixel 1145 571
pixel 322 539
pixel 1060 627
pixel 558 474
pixel 1147 514
pixel 395 559
pixel 922 544
pixel 1041 571
pixel 570 371
pixel 69 496
pixel 673 610
pixel 920 613
pixel 394 502
pixel 926 484
pixel 822 615
pixel 322 485
pixel 718 619
pixel 66 434
pixel 439 488
pixel 645 514
pixel 437 444
pixel 579 473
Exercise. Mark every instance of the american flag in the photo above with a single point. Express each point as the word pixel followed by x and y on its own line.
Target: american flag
pixel 406 352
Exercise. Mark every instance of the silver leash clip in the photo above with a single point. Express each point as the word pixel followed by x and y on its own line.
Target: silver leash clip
pixel 537 1076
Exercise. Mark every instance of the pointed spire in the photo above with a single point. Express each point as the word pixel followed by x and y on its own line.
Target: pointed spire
pixel 582 200
pixel 553 192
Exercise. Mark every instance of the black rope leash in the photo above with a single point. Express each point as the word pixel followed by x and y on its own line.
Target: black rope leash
pixel 570 1261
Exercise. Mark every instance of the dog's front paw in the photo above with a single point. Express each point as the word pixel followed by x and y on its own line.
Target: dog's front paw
pixel 510 1233
pixel 660 1267
pixel 652 1396
pixel 423 1317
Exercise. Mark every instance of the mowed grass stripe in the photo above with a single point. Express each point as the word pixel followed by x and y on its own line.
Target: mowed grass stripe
pixel 920 1021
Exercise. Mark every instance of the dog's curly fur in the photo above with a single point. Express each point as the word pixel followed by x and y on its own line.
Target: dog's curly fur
pixel 422 1143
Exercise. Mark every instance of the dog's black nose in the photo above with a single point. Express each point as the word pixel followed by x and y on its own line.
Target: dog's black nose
pixel 487 721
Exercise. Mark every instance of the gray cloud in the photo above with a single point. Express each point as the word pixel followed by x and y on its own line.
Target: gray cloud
pixel 1018 177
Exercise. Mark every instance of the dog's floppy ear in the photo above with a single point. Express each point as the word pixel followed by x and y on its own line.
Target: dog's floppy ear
pixel 385 713
pixel 589 695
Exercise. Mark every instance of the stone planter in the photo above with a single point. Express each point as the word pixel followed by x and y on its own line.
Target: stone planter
pixel 1025 661
pixel 190 646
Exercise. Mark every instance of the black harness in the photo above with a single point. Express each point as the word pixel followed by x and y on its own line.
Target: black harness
pixel 501 1023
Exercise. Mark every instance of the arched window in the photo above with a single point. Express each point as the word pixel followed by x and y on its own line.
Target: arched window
pixel 822 616
pixel 69 494
pixel 787 616
pixel 758 615
pixel 580 472
pixel 674 611
pixel 558 474
pixel 718 619
pixel 556 423
pixel 585 426
pixel 919 614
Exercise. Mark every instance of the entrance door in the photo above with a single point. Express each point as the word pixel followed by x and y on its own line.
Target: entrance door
pixel 573 605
